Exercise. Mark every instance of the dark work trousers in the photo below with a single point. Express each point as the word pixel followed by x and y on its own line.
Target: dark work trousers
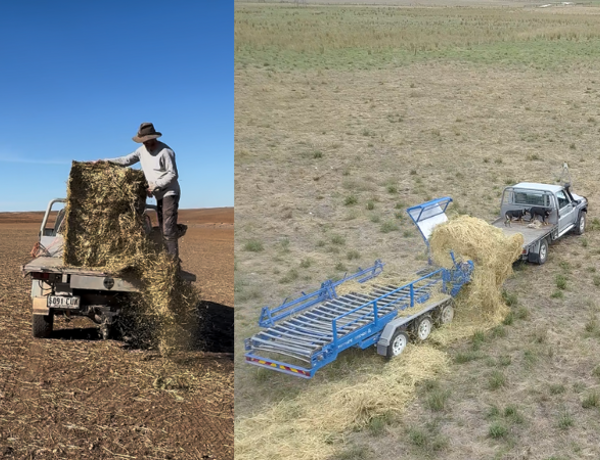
pixel 167 221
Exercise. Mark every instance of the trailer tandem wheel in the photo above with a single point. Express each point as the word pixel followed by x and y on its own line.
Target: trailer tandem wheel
pixel 42 325
pixel 398 343
pixel 423 327
pixel 445 314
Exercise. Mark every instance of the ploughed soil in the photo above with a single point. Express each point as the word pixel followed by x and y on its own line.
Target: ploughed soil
pixel 77 396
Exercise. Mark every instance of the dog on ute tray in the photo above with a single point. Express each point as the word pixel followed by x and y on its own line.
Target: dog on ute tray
pixel 543 213
pixel 514 214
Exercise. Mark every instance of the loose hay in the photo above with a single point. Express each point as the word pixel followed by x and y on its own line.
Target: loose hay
pixel 394 279
pixel 105 231
pixel 304 428
pixel 480 306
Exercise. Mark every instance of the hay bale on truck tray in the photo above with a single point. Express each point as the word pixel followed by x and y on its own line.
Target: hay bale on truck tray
pixel 104 212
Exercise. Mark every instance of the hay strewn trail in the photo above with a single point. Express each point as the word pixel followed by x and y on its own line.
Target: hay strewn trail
pixel 311 426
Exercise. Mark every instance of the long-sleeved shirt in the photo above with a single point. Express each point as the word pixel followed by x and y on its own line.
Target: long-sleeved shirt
pixel 159 168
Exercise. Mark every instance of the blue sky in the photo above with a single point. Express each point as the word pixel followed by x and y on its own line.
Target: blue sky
pixel 77 78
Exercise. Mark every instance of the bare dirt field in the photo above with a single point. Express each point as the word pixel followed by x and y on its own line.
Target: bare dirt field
pixel 347 116
pixel 76 396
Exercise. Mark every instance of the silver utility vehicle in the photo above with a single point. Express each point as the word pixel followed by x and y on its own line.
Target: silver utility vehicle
pixel 72 291
pixel 564 212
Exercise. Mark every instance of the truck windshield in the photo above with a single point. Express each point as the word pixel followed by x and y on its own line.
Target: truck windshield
pixel 526 197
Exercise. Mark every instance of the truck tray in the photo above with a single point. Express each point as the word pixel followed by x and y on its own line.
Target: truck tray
pixel 530 235
pixel 55 265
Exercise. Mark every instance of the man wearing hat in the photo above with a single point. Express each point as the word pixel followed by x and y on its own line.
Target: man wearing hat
pixel 160 169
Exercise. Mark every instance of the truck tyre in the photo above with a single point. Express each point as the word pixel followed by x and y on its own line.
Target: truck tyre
pixel 42 325
pixel 423 327
pixel 580 226
pixel 542 255
pixel 445 314
pixel 397 344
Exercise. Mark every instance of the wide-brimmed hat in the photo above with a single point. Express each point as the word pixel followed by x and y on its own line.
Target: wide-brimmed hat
pixel 146 132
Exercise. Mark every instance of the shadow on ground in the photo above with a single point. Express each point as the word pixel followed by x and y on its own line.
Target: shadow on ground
pixel 214 329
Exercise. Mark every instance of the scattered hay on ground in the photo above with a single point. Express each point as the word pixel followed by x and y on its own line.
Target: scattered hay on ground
pixel 304 428
pixel 105 231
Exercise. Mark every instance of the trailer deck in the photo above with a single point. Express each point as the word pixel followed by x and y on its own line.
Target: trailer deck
pixel 315 328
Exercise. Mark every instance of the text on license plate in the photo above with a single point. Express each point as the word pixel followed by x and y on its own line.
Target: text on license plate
pixel 56 301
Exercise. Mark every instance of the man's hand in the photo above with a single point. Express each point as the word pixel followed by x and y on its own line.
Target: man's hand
pixel 149 193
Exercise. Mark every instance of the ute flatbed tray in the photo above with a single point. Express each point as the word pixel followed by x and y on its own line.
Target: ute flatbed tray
pixel 55 265
pixel 530 235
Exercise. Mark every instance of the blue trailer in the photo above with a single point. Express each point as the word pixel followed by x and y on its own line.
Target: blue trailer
pixel 302 335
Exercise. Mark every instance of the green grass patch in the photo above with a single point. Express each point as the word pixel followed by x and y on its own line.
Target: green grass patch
pixel 497 430
pixel 591 400
pixel 466 357
pixel 389 226
pixel 496 380
pixel 253 246
pixel 350 200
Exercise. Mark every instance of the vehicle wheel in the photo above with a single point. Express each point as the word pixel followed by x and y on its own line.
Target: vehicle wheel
pixel 446 314
pixel 398 343
pixel 423 327
pixel 541 256
pixel 580 227
pixel 42 326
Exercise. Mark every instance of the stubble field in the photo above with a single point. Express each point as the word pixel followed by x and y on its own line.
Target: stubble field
pixel 345 116
pixel 76 396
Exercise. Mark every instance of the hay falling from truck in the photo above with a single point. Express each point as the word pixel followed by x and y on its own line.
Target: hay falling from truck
pixel 105 231
pixel 481 305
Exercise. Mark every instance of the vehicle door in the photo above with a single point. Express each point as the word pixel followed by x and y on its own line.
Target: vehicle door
pixel 567 211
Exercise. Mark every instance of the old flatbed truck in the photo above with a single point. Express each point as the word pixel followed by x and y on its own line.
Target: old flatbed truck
pixel 568 212
pixel 72 291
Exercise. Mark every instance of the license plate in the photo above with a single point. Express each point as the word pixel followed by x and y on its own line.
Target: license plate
pixel 57 301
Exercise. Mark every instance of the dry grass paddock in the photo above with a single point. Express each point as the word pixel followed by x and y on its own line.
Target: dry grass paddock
pixel 345 116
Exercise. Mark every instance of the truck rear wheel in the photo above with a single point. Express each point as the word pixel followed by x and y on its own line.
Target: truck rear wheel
pixel 542 255
pixel 42 325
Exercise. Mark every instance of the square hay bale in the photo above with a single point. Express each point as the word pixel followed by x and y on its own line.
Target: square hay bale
pixel 104 216
pixel 105 231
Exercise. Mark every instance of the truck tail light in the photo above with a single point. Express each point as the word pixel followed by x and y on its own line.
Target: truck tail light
pixel 40 276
